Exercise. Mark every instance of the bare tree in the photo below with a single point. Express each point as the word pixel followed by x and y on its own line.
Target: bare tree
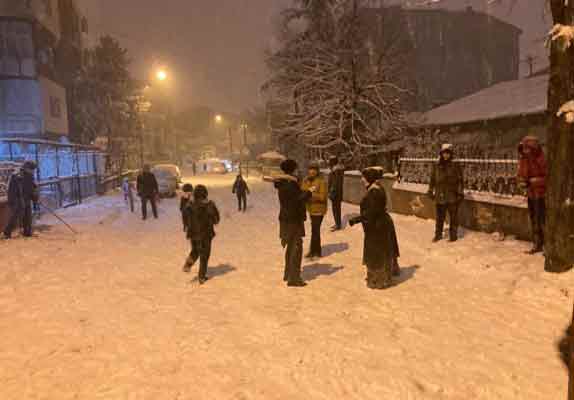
pixel 344 94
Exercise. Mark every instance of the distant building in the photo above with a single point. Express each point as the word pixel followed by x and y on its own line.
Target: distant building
pixel 454 53
pixel 39 51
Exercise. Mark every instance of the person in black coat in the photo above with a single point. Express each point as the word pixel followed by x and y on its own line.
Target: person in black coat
pixel 381 248
pixel 202 215
pixel 335 185
pixel 148 191
pixel 22 192
pixel 185 201
pixel 292 216
pixel 241 190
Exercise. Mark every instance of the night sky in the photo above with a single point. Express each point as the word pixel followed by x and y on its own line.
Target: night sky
pixel 214 48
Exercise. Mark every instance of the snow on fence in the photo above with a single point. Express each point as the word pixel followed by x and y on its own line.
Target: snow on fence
pixel 66 173
pixel 482 175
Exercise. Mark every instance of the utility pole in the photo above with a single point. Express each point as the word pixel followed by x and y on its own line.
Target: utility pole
pixel 245 146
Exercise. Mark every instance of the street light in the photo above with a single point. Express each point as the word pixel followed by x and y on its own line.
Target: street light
pixel 218 119
pixel 161 75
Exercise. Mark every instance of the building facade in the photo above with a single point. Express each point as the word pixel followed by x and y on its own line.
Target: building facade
pixel 453 53
pixel 36 66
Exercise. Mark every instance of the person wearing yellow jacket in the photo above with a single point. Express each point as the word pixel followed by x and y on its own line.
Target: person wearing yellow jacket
pixel 316 206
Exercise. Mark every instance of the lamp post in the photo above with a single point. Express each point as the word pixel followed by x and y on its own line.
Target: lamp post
pixel 245 149
pixel 219 120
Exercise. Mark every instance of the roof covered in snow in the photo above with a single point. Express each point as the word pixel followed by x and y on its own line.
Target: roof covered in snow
pixel 272 155
pixel 506 99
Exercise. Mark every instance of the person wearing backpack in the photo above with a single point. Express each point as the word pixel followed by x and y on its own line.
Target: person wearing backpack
pixel 202 216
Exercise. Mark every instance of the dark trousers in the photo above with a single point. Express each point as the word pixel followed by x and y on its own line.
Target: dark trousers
pixel 242 201
pixel 336 206
pixel 441 211
pixel 21 215
pixel 200 249
pixel 293 260
pixel 152 201
pixel 537 211
pixel 316 221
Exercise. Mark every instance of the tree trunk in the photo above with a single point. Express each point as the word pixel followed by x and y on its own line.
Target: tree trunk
pixel 559 243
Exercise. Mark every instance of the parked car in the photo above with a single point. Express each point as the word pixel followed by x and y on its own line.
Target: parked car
pixel 212 166
pixel 168 179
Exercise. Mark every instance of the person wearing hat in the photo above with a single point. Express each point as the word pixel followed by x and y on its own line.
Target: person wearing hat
pixel 148 191
pixel 292 216
pixel 532 176
pixel 447 190
pixel 22 192
pixel 381 248
pixel 336 178
pixel 202 216
pixel 316 206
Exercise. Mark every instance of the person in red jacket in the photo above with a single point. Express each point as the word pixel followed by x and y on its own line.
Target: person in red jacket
pixel 532 176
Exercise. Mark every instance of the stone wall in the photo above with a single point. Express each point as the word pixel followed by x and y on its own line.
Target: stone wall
pixel 479 212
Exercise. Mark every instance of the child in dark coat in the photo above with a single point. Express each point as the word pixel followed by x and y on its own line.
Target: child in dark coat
pixel 202 216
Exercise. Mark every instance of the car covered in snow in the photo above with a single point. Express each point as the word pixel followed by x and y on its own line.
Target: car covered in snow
pixel 168 179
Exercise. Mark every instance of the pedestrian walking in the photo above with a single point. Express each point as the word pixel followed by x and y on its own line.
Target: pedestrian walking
pixel 148 191
pixel 381 248
pixel 532 176
pixel 447 190
pixel 202 215
pixel 316 206
pixel 127 189
pixel 241 190
pixel 292 216
pixel 185 203
pixel 336 178
pixel 22 194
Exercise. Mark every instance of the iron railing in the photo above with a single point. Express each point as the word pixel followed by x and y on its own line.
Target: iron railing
pixel 482 175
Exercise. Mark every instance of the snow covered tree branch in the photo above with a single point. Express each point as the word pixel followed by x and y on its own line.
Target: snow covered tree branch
pixel 343 94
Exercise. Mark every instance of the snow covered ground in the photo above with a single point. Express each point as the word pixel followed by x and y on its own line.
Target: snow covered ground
pixel 109 314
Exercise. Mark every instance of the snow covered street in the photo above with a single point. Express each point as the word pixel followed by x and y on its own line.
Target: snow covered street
pixel 109 314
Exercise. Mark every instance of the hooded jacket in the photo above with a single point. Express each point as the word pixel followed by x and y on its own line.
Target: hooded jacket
pixel 447 182
pixel 532 167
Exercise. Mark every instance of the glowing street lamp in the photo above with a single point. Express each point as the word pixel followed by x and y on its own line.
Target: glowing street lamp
pixel 218 119
pixel 161 75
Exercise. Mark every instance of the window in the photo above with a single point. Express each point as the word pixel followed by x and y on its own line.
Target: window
pixel 55 107
pixel 16 49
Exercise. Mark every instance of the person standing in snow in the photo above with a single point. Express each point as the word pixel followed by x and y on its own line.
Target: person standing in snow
pixel 185 203
pixel 316 206
pixel 202 215
pixel 292 216
pixel 22 192
pixel 447 189
pixel 336 178
pixel 381 248
pixel 532 176
pixel 148 191
pixel 127 190
pixel 241 190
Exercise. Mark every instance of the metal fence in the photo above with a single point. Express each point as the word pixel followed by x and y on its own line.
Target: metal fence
pixel 66 173
pixel 482 175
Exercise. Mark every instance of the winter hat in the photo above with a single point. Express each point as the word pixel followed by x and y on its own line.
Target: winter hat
pixel 187 188
pixel 200 192
pixel 288 166
pixel 446 147
pixel 372 174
